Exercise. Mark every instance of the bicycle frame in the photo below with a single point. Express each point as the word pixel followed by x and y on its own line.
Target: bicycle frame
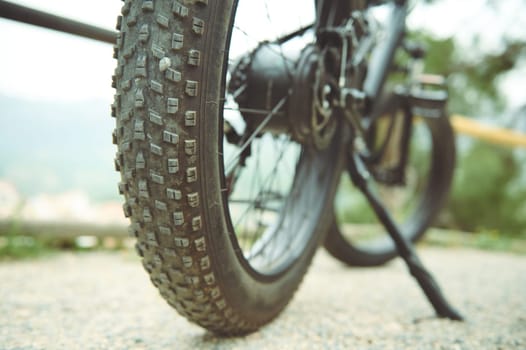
pixel 382 56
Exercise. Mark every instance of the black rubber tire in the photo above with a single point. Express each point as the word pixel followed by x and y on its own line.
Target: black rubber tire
pixel 430 202
pixel 169 137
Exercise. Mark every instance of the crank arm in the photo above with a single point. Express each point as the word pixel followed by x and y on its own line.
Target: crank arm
pixel 425 279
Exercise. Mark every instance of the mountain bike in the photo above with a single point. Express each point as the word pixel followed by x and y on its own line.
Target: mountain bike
pixel 235 120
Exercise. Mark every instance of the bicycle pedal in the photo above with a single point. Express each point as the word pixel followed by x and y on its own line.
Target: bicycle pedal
pixel 428 103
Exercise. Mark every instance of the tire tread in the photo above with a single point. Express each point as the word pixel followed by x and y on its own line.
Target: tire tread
pixel 156 104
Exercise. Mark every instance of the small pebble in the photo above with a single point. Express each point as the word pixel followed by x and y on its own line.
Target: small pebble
pixel 165 63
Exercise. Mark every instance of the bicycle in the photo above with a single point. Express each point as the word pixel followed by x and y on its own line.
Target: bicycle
pixel 231 145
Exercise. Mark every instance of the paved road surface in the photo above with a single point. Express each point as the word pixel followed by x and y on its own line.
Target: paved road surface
pixel 105 301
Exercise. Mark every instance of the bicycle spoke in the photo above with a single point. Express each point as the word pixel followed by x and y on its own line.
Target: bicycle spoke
pixel 261 168
pixel 239 91
pixel 252 111
pixel 264 183
pixel 277 197
pixel 231 163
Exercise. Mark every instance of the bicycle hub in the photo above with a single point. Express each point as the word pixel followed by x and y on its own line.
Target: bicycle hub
pixel 271 72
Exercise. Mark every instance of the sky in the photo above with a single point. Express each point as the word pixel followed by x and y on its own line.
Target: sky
pixel 65 84
pixel 467 18
pixel 44 64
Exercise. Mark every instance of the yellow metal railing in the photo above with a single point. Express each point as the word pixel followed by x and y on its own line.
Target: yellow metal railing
pixel 488 133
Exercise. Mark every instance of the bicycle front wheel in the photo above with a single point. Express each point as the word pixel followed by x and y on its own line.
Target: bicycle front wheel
pixel 227 213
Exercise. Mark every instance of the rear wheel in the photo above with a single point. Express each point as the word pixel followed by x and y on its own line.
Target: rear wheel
pixel 227 214
pixel 413 199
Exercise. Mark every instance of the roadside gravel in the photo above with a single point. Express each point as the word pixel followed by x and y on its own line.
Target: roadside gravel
pixel 105 301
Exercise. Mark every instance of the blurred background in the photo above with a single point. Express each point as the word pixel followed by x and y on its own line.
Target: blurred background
pixel 56 155
pixel 55 124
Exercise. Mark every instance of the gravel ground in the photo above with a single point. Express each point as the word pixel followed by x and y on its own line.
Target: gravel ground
pixel 105 301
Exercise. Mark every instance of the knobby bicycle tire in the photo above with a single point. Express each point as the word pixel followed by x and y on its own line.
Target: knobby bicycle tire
pixel 170 82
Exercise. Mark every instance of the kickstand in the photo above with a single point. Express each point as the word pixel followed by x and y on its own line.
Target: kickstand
pixel 359 175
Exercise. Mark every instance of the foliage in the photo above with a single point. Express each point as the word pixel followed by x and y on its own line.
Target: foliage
pixel 472 80
pixel 486 240
pixel 13 245
pixel 487 193
pixel 16 243
pixel 351 205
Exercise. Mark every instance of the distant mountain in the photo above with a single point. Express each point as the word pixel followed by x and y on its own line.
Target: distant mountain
pixel 52 147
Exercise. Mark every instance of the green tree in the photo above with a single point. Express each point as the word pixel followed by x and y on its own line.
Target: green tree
pixel 472 82
pixel 486 194
pixel 489 191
